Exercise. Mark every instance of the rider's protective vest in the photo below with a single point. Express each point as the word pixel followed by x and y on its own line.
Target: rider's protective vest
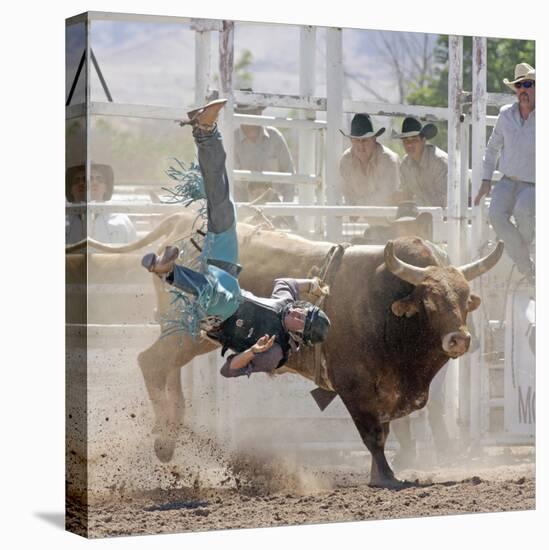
pixel 254 318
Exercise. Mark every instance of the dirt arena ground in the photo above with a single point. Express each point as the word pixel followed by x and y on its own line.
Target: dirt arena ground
pixel 205 489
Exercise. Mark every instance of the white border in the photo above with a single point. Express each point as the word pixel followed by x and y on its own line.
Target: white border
pixel 32 363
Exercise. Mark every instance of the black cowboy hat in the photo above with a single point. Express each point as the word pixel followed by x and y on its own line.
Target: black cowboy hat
pixel 361 127
pixel 105 169
pixel 246 109
pixel 412 127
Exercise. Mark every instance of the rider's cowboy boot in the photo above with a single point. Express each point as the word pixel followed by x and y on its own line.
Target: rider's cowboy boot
pixel 205 117
pixel 161 264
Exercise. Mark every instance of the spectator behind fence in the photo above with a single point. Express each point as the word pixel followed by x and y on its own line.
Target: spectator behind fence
pixel 260 149
pixel 105 227
pixel 513 145
pixel 369 170
pixel 424 168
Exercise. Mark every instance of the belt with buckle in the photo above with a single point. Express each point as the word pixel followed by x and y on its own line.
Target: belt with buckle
pixel 513 178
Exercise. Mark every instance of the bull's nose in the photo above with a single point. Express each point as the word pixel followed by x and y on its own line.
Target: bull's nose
pixel 456 343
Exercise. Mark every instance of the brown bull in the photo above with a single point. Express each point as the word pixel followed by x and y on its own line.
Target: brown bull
pixel 398 315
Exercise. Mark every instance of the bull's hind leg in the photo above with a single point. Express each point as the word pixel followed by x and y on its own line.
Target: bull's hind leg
pixel 161 367
pixel 174 396
pixel 155 363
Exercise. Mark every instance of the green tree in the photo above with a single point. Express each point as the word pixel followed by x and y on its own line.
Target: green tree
pixel 242 76
pixel 502 54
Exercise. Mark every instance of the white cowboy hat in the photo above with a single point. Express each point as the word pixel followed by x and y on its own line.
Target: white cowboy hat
pixel 523 71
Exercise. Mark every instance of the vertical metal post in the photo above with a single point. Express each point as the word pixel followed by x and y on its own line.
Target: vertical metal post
pixel 87 87
pixel 226 122
pixel 306 164
pixel 478 123
pixel 202 65
pixel 463 367
pixel 226 68
pixel 464 137
pixel 455 86
pixel 478 146
pixel 334 116
pixel 455 207
pixel 202 73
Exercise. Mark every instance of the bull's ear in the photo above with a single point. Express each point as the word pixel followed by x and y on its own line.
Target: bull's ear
pixel 407 306
pixel 473 302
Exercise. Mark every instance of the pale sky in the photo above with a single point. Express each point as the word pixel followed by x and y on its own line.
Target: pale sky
pixel 153 63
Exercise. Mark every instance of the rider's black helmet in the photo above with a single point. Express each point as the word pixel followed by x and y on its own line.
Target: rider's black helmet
pixel 317 323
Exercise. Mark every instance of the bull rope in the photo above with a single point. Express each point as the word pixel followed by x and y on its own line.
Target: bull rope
pixel 327 274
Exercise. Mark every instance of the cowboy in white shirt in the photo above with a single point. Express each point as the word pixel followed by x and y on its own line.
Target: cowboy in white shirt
pixel 514 142
pixel 369 170
pixel 104 227
pixel 424 168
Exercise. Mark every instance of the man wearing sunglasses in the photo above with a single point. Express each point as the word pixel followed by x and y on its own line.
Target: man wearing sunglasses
pixel 513 142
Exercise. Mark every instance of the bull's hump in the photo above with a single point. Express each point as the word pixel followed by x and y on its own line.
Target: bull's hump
pixel 267 243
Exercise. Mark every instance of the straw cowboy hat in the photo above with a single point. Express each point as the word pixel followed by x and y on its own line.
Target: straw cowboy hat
pixel 523 71
pixel 245 109
pixel 105 169
pixel 361 128
pixel 412 127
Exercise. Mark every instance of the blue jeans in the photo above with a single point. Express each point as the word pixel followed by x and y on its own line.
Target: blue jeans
pixel 517 199
pixel 221 242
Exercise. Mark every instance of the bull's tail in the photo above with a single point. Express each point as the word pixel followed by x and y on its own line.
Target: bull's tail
pixel 164 228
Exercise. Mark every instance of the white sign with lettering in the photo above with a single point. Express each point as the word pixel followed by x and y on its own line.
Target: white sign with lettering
pixel 520 363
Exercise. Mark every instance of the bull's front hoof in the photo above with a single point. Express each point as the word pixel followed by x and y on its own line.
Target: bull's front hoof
pixel 388 483
pixel 164 448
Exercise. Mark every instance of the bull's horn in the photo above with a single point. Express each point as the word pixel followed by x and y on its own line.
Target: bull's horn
pixel 476 269
pixel 407 272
